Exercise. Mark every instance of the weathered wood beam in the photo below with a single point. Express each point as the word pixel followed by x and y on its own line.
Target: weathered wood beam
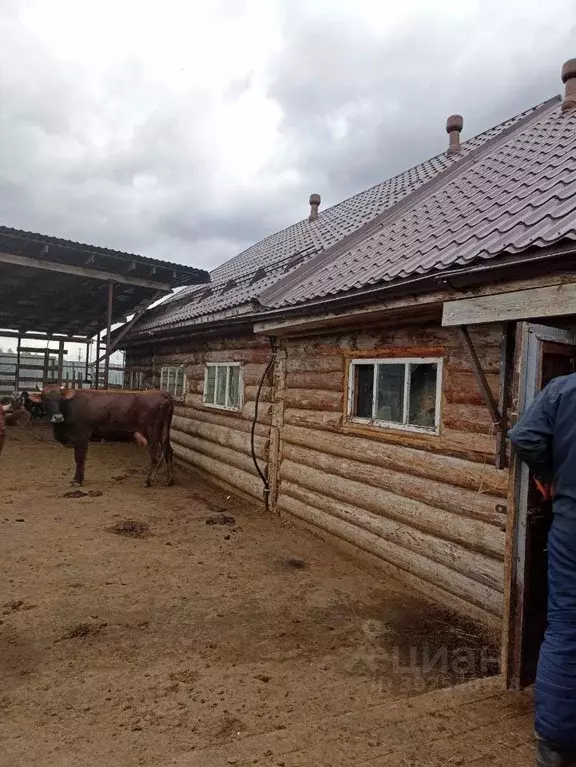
pixel 79 271
pixel 108 333
pixel 551 301
pixel 480 376
pixel 126 329
pixel 41 336
pixel 506 364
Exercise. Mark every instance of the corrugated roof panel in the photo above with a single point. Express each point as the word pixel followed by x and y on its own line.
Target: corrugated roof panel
pixel 274 253
pixel 520 192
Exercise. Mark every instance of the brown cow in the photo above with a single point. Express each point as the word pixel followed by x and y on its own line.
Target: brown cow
pixel 81 415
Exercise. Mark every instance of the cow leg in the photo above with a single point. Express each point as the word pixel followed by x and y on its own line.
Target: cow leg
pixel 169 457
pixel 155 450
pixel 80 452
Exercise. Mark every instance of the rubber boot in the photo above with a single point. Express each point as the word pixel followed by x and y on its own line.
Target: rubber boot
pixel 548 756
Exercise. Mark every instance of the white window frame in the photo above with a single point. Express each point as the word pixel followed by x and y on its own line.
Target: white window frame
pixel 406 361
pixel 227 365
pixel 165 372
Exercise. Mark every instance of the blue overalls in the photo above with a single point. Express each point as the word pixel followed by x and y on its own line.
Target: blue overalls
pixel 545 438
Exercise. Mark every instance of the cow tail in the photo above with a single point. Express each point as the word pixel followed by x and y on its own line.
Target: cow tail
pixel 166 426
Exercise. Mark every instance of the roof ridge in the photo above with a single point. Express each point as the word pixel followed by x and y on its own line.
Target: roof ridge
pixel 271 295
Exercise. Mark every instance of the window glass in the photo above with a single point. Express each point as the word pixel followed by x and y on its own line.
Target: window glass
pixel 210 383
pixel 221 373
pixel 234 387
pixel 364 390
pixel 390 393
pixel 423 382
pixel 396 392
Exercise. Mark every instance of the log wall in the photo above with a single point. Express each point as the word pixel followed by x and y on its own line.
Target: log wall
pixel 429 506
pixel 215 440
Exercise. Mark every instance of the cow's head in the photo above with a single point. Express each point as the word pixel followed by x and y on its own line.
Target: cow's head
pixel 53 398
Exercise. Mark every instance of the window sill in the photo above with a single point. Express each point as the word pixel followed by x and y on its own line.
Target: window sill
pixel 211 406
pixel 387 426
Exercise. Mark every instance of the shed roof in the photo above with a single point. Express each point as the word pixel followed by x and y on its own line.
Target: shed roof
pixel 51 285
pixel 513 194
pixel 239 286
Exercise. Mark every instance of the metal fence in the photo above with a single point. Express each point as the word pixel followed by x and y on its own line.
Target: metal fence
pixel 38 369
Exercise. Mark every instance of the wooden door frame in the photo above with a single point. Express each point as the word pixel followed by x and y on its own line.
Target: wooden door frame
pixel 527 374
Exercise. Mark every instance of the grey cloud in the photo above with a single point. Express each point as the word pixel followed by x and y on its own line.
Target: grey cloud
pixel 357 107
pixel 393 96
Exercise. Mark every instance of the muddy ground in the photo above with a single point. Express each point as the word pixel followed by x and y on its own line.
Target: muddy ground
pixel 134 631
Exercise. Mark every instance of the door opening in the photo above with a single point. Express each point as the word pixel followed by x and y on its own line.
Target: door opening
pixel 545 353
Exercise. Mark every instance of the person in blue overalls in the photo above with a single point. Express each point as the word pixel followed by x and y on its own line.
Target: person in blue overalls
pixel 545 439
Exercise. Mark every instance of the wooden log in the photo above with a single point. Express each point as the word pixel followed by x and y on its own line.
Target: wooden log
pixel 264 411
pixel 324 381
pixel 250 393
pixel 297 363
pixel 472 533
pixel 221 454
pixel 231 419
pixel 480 567
pixel 230 476
pixel 460 387
pixel 318 420
pixel 432 572
pixel 466 445
pixel 467 418
pixel 277 427
pixel 422 463
pixel 408 581
pixel 221 435
pixel 314 399
pixel 255 355
pixel 439 495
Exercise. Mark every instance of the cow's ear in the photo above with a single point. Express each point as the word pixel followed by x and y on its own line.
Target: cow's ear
pixel 35 397
pixel 68 393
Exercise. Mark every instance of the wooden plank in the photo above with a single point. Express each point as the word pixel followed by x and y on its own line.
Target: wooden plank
pixel 79 271
pixel 553 301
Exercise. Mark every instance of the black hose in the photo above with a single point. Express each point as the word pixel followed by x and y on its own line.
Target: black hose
pixel 263 477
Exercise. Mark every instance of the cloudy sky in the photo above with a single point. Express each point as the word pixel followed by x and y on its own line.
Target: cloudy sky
pixel 187 130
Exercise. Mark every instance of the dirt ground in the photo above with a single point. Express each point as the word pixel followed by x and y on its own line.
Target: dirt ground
pixel 181 625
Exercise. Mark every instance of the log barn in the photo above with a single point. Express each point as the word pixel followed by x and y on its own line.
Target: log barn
pixel 358 371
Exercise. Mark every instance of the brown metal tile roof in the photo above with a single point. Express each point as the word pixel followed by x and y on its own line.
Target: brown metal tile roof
pixel 516 193
pixel 258 269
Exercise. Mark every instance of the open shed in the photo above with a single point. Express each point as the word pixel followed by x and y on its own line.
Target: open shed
pixel 62 291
